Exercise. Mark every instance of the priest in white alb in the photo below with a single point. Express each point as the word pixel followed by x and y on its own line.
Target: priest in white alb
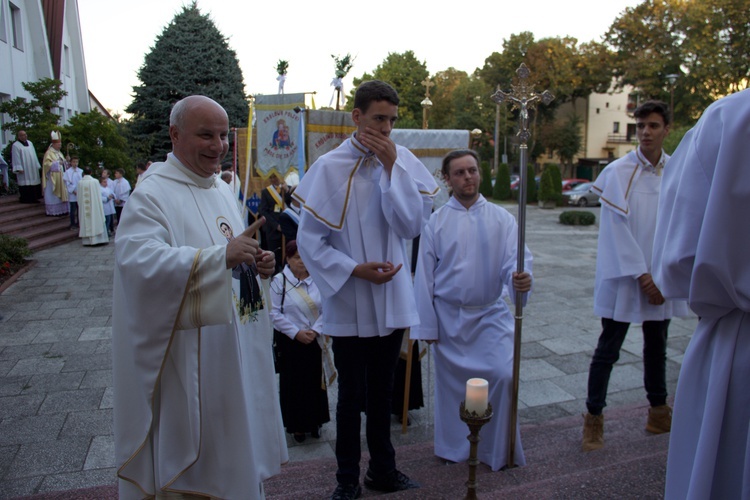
pixel 25 164
pixel 196 410
pixel 93 227
pixel 467 255
pixel 701 254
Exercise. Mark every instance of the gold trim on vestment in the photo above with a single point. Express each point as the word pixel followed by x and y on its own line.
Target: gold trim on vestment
pixel 346 201
pixel 627 191
pixel 188 285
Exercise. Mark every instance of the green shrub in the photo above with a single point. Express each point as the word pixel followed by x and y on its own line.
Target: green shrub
pixel 577 218
pixel 501 189
pixel 531 192
pixel 485 185
pixel 550 185
pixel 13 249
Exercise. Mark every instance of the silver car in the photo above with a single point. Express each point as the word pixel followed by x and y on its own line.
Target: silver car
pixel 581 196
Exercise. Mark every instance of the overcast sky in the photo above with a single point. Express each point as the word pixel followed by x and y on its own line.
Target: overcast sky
pixel 117 36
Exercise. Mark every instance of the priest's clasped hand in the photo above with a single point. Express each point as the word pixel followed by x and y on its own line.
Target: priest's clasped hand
pixel 376 272
pixel 245 249
pixel 522 282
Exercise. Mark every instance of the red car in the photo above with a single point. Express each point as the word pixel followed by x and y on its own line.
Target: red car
pixel 568 184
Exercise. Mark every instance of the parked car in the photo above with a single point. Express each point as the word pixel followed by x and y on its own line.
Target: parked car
pixel 568 184
pixel 581 196
pixel 514 184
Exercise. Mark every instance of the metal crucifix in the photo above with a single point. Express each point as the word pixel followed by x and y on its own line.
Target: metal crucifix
pixel 523 98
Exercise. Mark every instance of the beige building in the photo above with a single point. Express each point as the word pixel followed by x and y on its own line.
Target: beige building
pixel 608 130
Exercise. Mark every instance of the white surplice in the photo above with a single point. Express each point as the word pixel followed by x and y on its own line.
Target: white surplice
pixel 354 212
pixel 93 229
pixel 629 192
pixel 466 258
pixel 195 402
pixel 107 202
pixel 25 164
pixel 71 178
pixel 701 254
pixel 121 190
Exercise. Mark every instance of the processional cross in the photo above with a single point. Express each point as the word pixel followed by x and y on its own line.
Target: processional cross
pixel 523 98
pixel 426 83
pixel 426 102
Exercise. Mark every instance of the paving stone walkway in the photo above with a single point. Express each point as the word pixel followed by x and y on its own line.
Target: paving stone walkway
pixel 56 379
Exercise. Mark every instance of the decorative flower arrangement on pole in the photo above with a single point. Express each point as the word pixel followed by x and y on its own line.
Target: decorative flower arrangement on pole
pixel 343 66
pixel 281 68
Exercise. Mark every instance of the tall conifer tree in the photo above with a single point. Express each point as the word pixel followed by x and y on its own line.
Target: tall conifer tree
pixel 190 57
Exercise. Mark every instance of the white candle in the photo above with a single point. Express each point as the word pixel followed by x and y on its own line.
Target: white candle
pixel 476 395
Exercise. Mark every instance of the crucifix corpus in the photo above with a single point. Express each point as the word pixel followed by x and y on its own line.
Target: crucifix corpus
pixel 523 98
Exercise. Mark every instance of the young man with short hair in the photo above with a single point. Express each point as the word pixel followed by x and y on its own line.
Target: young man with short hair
pixel 624 291
pixel 360 203
pixel 72 177
pixel 467 255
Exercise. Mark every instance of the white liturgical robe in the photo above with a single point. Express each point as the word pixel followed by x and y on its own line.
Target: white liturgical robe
pixel 195 403
pixel 93 229
pixel 701 254
pixel 353 212
pixel 466 257
pixel 25 164
pixel 629 193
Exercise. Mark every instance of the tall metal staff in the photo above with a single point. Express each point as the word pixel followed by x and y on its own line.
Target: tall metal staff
pixel 522 98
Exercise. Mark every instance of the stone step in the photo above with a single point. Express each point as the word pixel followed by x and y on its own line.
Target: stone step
pixel 9 224
pixel 29 221
pixel 15 211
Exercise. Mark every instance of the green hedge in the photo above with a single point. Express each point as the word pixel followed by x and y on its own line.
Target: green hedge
pixel 577 218
pixel 13 249
pixel 485 184
pixel 550 185
pixel 501 189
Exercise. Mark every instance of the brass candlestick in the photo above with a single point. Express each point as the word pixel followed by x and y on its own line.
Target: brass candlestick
pixel 475 423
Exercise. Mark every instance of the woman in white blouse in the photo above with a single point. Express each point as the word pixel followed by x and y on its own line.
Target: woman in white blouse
pixel 303 355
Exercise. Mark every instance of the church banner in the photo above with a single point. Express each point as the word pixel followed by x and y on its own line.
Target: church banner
pixel 326 130
pixel 278 133
pixel 430 146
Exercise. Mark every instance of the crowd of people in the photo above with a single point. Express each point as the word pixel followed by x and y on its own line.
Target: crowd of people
pixel 330 293
pixel 67 189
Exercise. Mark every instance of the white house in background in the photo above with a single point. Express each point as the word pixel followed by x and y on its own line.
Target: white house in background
pixel 608 129
pixel 42 39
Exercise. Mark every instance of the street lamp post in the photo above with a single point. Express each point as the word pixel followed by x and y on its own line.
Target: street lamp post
pixel 672 78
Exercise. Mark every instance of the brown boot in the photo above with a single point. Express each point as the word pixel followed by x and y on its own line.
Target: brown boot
pixel 593 432
pixel 659 419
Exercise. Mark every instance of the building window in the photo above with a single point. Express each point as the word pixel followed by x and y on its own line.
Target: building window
pixel 3 36
pixel 631 132
pixel 616 128
pixel 16 26
pixel 597 111
pixel 66 60
pixel 606 105
pixel 3 121
pixel 632 102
